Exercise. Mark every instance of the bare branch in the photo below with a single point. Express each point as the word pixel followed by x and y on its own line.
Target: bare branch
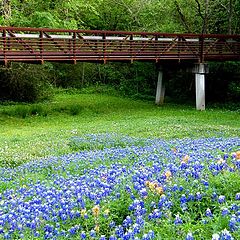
pixel 182 17
pixel 199 9
pixel 133 14
pixel 224 6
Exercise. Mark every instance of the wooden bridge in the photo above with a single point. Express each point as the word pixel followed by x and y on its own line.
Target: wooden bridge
pixel 39 45
pixel 36 45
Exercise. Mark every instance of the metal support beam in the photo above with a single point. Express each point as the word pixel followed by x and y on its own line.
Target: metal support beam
pixel 200 86
pixel 160 92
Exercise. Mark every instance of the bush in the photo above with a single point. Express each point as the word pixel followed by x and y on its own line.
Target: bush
pixel 25 83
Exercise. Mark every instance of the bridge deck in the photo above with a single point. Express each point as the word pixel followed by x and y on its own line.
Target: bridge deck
pixel 39 45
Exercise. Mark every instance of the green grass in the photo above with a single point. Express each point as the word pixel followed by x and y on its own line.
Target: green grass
pixel 43 129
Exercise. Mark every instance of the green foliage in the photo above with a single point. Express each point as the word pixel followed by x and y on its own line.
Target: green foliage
pixel 25 83
pixel 234 90
pixel 216 16
pixel 44 19
pixel 226 183
pixel 223 82
pixel 137 80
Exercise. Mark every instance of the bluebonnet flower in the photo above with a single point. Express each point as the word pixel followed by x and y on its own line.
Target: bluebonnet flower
pixel 237 196
pixel 143 193
pixel 83 235
pixel 208 213
pixel 146 237
pixel 180 188
pixel 183 199
pixel 214 196
pixel 191 197
pixel 92 233
pixel 140 221
pixel 198 196
pixel 221 199
pixel 225 211
pixel 226 235
pixel 151 234
pixel 127 222
pixel 233 224
pixel 112 224
pixel 189 236
pixel 119 231
pixel 136 228
pixel 175 188
pixel 72 230
pixel 178 220
pixel 184 207
pixel 112 237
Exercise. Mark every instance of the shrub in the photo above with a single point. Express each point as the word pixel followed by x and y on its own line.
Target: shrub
pixel 25 83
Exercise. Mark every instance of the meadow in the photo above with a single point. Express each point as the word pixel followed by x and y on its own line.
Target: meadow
pixel 94 166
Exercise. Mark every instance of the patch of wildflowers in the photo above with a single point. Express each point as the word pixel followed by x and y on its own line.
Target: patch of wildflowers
pixel 92 188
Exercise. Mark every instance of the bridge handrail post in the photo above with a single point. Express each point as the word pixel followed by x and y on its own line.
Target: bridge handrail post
pixel 131 47
pixel 74 46
pixel 104 47
pixel 41 45
pixel 201 42
pixel 4 46
pixel 155 48
pixel 179 39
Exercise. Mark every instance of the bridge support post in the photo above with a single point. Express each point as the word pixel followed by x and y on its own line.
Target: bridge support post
pixel 160 92
pixel 200 72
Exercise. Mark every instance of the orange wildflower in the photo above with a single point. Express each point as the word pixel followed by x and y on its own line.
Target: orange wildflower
pixel 185 159
pixel 168 174
pixel 159 190
pixel 238 155
pixel 96 211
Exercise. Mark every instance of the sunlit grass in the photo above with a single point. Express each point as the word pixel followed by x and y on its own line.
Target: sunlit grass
pixel 35 131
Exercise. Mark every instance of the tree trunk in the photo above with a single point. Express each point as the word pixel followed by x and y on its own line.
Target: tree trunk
pixel 182 17
pixel 205 20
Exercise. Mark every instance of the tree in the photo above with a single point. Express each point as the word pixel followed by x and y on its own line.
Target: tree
pixel 6 10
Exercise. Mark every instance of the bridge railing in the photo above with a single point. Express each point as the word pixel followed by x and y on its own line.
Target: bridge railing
pixel 39 45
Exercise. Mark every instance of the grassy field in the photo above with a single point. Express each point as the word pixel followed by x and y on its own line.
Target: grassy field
pixel 92 166
pixel 39 130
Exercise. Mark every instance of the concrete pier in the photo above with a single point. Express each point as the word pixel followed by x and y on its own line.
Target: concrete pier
pixel 160 92
pixel 200 72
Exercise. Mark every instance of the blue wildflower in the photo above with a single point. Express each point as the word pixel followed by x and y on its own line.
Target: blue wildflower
pixel 226 235
pixel 208 213
pixel 225 211
pixel 189 236
pixel 221 199
pixel 178 220
pixel 237 196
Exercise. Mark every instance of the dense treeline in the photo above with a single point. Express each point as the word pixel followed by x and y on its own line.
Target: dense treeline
pixel 22 82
